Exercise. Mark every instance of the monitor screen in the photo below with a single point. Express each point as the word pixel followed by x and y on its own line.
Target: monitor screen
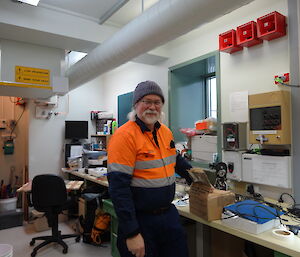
pixel 76 129
pixel 265 118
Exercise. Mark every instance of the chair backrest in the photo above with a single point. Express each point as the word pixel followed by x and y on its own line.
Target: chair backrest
pixel 48 192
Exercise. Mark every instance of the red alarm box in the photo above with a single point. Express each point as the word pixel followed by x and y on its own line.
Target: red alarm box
pixel 271 26
pixel 227 42
pixel 247 35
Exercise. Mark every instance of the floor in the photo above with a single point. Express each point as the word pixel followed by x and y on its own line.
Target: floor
pixel 19 238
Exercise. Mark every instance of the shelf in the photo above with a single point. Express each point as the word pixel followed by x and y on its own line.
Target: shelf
pixel 108 135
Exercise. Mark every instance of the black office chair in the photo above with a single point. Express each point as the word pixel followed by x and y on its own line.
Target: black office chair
pixel 49 195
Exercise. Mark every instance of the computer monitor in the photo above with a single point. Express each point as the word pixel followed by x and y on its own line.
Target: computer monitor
pixel 76 130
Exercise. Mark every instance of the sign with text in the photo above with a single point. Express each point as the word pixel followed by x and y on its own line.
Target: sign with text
pixel 32 75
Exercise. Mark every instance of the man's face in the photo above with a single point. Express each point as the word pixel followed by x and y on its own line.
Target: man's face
pixel 149 108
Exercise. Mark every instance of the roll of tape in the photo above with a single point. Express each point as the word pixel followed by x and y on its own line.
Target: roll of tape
pixel 282 234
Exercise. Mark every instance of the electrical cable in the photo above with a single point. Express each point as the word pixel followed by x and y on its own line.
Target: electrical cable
pixel 293 213
pixel 244 215
pixel 287 85
pixel 254 211
pixel 12 130
pixel 281 200
pixel 280 80
pixel 14 102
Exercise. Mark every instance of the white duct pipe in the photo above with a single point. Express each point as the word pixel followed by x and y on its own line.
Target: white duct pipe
pixel 163 22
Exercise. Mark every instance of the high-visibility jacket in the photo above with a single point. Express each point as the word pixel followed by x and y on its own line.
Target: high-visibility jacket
pixel 141 171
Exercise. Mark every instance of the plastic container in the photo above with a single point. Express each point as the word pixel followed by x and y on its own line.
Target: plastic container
pixel 227 42
pixel 271 26
pixel 247 35
pixel 9 204
pixel 6 250
pixel 114 126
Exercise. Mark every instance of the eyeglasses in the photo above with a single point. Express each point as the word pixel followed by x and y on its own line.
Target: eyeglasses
pixel 149 103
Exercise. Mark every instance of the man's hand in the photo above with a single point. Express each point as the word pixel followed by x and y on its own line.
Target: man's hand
pixel 136 245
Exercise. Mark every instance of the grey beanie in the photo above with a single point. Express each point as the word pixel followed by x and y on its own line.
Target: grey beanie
pixel 146 88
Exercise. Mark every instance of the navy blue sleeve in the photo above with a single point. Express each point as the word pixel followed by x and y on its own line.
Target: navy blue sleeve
pixel 181 168
pixel 120 193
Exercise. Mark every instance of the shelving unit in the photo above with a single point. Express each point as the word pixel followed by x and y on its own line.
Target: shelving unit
pixel 102 138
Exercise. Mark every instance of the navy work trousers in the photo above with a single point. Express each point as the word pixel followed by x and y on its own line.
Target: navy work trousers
pixel 162 233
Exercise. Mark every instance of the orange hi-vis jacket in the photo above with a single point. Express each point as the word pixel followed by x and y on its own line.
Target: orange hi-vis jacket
pixel 149 165
pixel 141 171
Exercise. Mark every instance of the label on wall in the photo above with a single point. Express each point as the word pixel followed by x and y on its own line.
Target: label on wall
pixel 32 75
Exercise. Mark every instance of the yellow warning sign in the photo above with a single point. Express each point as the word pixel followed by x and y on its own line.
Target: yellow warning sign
pixel 32 75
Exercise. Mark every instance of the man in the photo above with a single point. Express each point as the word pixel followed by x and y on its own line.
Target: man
pixel 141 172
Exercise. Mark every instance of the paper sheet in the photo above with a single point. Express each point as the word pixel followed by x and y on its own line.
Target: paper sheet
pixel 238 106
pixel 76 151
pixel 271 171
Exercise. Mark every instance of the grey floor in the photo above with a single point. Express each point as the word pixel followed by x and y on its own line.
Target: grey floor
pixel 19 238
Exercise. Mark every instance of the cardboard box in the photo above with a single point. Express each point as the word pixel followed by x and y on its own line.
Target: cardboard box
pixel 81 207
pixel 206 201
pixel 40 222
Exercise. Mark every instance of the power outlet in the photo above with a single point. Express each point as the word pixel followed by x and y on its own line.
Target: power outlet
pixel 42 113
pixel 285 78
pixel 3 123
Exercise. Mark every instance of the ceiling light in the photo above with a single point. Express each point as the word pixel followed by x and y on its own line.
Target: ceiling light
pixel 31 2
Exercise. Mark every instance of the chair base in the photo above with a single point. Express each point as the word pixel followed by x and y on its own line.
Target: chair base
pixel 53 239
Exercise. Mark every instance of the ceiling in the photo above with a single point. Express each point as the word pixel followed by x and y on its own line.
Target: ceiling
pixel 113 12
pixel 77 25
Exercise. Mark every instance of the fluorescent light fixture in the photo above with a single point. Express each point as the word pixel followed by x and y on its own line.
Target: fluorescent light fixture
pixel 31 2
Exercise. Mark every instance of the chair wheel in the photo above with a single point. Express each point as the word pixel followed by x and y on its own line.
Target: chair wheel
pixel 65 250
pixel 33 253
pixel 77 239
pixel 32 242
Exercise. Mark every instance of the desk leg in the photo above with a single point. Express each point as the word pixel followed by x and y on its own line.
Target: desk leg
pixel 203 240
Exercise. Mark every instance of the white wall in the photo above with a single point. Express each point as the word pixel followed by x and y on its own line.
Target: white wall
pixel 22 54
pixel 89 97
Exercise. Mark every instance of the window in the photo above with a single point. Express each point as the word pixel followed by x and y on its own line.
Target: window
pixel 194 90
pixel 211 84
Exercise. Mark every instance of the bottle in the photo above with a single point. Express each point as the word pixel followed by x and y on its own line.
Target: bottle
pixel 114 126
pixel 108 127
pixel 100 145
pixel 105 129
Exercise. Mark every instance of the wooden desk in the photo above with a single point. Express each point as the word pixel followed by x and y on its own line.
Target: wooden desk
pixel 291 247
pixel 100 181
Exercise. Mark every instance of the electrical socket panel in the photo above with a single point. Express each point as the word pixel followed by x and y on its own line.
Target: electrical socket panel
pixel 3 123
pixel 285 78
pixel 42 113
